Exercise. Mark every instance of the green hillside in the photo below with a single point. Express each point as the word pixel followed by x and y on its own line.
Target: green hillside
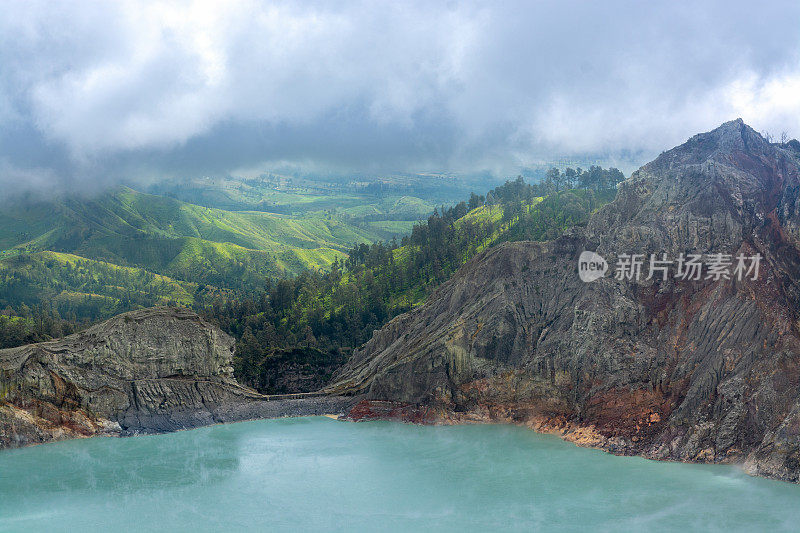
pixel 173 238
pixel 313 283
pixel 107 227
pixel 87 288
pixel 77 254
pixel 409 198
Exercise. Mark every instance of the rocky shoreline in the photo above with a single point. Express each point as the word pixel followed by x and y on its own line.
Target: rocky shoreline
pixel 584 436
pixel 149 423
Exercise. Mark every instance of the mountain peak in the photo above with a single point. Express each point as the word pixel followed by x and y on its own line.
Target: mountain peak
pixel 731 136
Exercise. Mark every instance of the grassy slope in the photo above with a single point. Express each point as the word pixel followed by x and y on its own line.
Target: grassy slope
pixel 308 196
pixel 175 238
pixel 236 195
pixel 126 234
pixel 417 295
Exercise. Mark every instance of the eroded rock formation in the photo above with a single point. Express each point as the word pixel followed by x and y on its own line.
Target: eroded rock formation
pixel 693 370
pixel 150 370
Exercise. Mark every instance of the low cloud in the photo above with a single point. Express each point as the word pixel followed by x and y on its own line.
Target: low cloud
pixel 95 93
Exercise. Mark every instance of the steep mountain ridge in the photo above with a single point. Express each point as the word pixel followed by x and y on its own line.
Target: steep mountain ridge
pixel 695 370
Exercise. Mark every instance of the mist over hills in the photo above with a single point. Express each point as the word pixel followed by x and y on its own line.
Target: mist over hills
pixel 99 255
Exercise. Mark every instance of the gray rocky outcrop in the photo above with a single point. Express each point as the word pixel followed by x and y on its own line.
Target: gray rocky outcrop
pixel 149 370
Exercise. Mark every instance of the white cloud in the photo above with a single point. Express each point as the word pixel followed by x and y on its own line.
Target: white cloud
pixel 772 102
pixel 364 85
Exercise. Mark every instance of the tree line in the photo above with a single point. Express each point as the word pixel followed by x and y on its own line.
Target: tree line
pixel 25 325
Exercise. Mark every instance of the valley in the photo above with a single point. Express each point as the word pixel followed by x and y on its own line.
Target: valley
pixel 399 266
pixel 477 315
pixel 90 258
pixel 288 287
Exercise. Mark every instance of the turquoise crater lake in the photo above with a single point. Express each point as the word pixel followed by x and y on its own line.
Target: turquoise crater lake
pixel 320 474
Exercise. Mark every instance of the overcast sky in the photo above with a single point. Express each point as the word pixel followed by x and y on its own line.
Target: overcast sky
pixel 95 93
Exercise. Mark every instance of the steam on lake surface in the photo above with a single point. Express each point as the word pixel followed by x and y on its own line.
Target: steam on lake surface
pixel 320 474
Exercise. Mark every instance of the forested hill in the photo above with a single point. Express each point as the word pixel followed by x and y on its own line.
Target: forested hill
pixel 292 336
pixel 85 259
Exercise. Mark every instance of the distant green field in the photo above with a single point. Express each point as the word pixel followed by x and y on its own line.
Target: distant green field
pixel 80 253
pixel 168 236
pixel 390 228
pixel 409 197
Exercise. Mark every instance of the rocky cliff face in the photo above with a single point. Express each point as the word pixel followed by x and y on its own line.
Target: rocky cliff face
pixel 693 370
pixel 149 370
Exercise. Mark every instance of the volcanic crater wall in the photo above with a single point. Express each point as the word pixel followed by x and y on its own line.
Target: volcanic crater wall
pixel 694 370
